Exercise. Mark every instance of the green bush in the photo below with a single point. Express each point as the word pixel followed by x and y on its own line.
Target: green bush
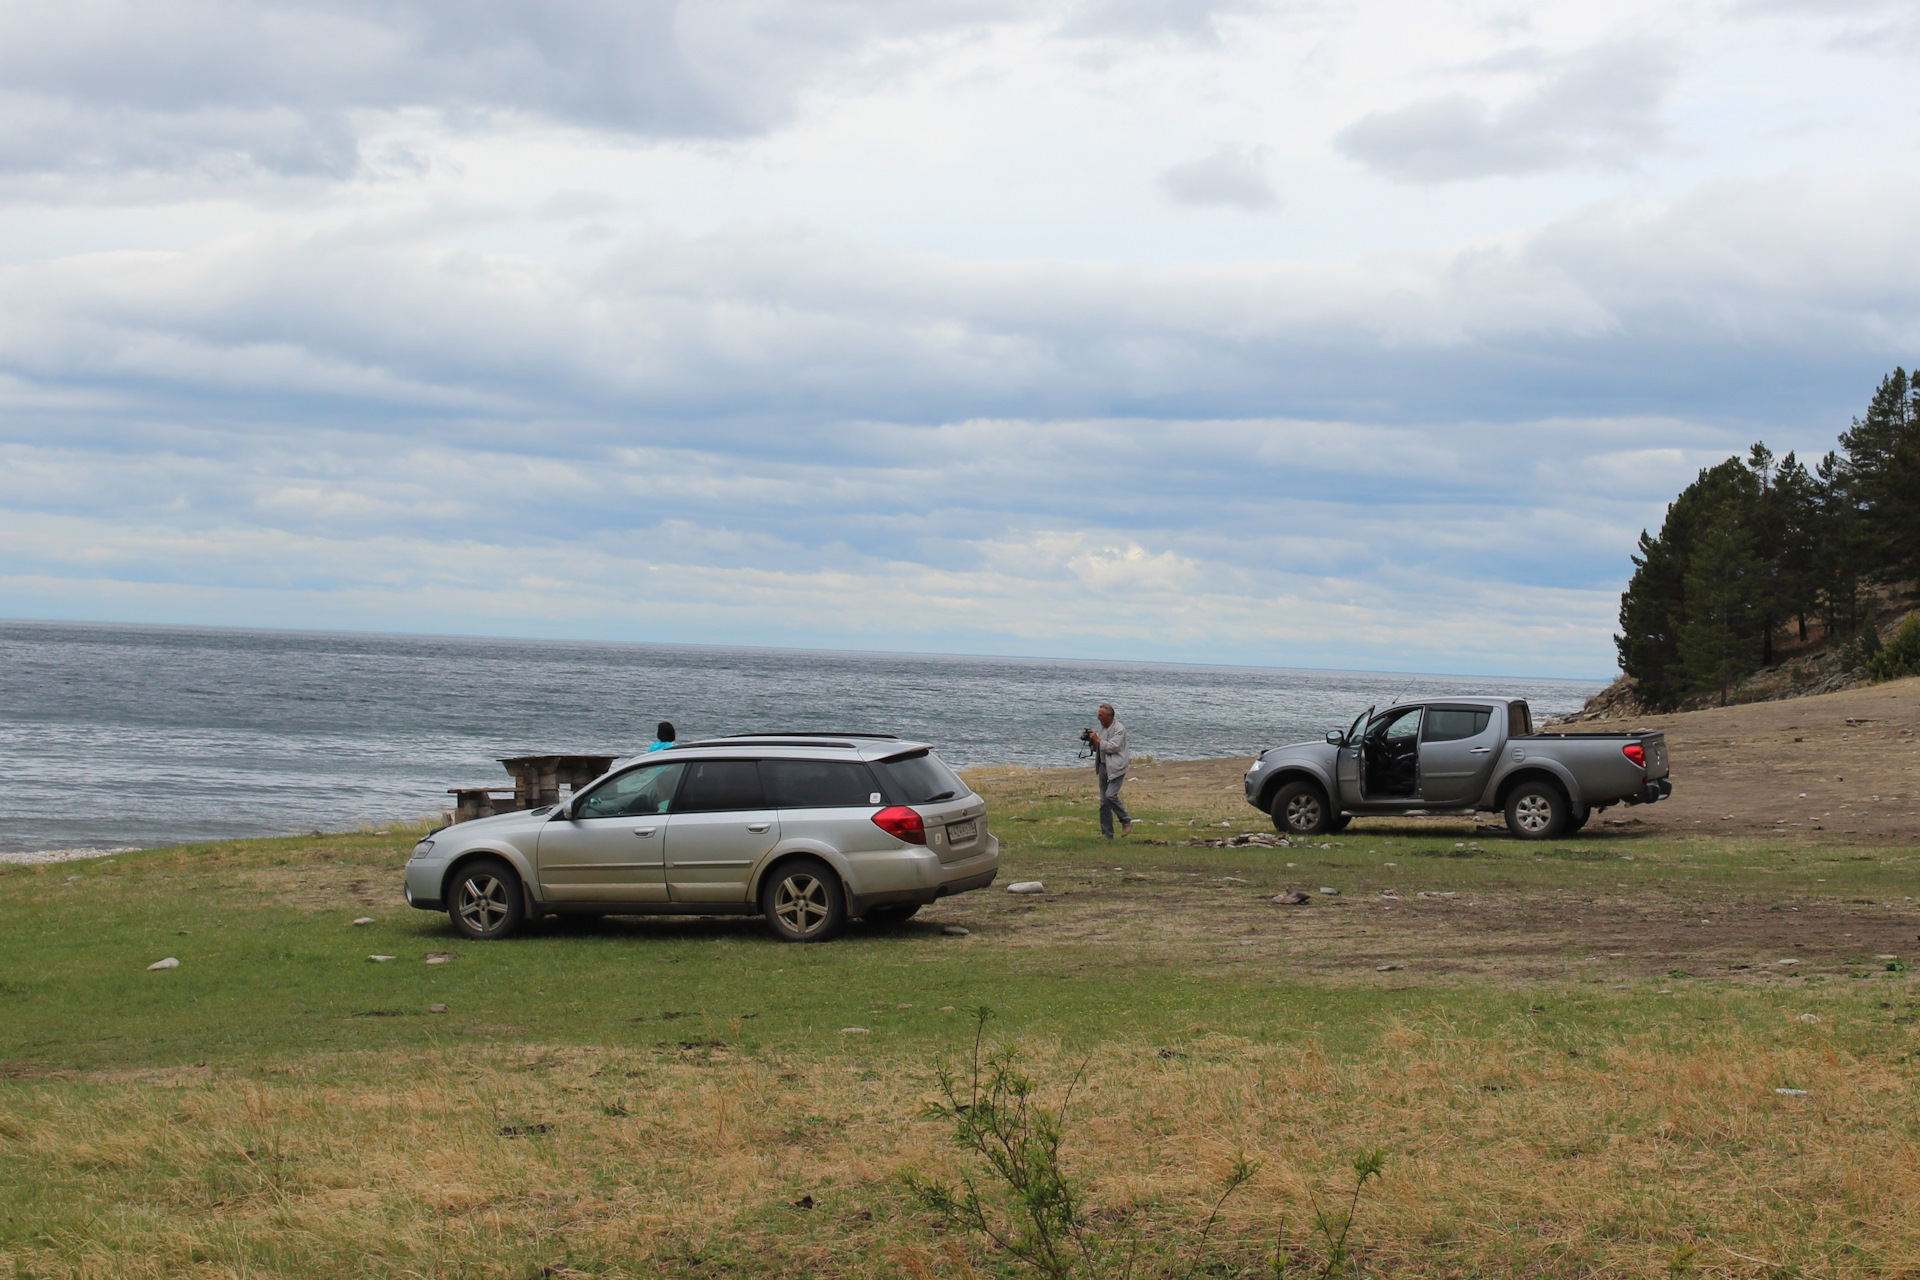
pixel 1901 656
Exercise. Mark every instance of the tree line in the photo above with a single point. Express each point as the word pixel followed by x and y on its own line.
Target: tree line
pixel 1760 547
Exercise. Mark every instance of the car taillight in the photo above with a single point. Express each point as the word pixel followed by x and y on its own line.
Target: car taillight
pixel 1636 753
pixel 901 823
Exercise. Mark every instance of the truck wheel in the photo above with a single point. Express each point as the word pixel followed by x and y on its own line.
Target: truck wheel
pixel 1300 809
pixel 1536 811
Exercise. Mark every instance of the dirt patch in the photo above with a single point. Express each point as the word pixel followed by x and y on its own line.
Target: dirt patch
pixel 1204 919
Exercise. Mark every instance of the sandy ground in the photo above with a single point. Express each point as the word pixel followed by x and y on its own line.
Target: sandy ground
pixel 1837 765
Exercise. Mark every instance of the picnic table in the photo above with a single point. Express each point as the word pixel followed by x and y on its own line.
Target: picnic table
pixel 537 781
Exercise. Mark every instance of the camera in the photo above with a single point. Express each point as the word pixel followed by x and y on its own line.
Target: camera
pixel 1086 735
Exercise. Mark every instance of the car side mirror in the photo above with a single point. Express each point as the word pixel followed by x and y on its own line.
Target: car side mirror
pixel 562 812
pixel 1336 737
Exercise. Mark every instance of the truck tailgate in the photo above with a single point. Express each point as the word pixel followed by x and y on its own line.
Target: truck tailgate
pixel 1655 745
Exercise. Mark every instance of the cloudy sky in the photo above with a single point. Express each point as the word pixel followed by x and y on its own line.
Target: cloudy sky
pixel 1319 334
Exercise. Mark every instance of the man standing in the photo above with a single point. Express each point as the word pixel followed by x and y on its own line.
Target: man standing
pixel 1110 761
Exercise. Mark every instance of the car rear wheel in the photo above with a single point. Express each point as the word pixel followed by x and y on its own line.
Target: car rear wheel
pixel 1300 809
pixel 1536 811
pixel 891 913
pixel 803 901
pixel 1575 821
pixel 485 901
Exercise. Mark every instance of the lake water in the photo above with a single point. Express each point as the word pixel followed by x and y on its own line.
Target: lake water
pixel 139 736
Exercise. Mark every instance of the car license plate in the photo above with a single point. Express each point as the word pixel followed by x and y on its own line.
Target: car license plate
pixel 961 832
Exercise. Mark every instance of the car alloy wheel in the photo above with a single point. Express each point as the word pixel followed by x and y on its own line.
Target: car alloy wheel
pixel 483 902
pixel 803 902
pixel 486 901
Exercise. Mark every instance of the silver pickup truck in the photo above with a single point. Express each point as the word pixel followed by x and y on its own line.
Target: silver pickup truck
pixel 1457 755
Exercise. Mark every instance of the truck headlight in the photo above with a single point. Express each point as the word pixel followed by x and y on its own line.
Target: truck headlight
pixel 422 849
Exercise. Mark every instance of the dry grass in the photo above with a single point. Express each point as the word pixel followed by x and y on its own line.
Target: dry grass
pixel 1509 1155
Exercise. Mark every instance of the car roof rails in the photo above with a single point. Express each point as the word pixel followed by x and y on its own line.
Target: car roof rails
pixel 814 733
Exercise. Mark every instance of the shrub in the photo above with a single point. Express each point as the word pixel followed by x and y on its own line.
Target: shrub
pixel 1901 656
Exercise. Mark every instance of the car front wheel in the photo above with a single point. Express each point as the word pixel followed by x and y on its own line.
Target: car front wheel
pixel 486 901
pixel 1536 811
pixel 803 901
pixel 1300 809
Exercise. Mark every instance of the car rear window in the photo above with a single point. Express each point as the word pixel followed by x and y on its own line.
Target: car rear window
pixel 1448 724
pixel 714 785
pixel 1519 720
pixel 818 784
pixel 921 778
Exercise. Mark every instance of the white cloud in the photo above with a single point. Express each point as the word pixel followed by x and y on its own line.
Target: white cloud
pixel 1598 107
pixel 893 325
pixel 1231 176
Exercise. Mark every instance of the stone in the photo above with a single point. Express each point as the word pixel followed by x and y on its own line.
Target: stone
pixel 1385 968
pixel 956 931
pixel 1791 1093
pixel 1786 962
pixel 436 1008
pixel 379 959
pixel 1330 891
pixel 1291 898
pixel 364 920
pixel 1809 1017
pixel 855 1031
pixel 1027 886
pixel 171 962
pixel 441 957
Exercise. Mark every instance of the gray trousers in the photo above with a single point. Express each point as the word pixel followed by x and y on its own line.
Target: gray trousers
pixel 1110 806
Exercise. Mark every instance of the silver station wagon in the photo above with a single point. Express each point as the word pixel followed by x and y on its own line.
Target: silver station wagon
pixel 807 830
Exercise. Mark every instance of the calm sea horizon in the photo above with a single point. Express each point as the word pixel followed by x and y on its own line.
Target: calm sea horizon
pixel 124 735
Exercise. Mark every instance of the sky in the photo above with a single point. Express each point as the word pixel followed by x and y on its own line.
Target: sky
pixel 1356 335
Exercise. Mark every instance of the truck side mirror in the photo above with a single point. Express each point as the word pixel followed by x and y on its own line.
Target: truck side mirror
pixel 1336 737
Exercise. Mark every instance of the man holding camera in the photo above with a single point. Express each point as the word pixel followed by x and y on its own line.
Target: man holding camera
pixel 1110 761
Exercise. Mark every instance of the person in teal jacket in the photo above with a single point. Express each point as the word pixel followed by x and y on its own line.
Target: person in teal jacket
pixel 663 737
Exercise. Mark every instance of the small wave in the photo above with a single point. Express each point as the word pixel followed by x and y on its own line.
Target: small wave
pixel 39 856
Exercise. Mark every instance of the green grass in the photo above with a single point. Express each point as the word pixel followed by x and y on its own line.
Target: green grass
pixel 261 977
pixel 280 1105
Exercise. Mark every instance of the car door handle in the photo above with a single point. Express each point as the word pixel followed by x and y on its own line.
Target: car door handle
pixel 1480 751
pixel 644 831
pixel 758 826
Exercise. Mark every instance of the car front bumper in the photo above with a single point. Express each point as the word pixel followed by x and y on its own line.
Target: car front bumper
pixel 422 881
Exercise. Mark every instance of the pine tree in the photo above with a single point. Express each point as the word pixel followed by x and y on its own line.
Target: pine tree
pixel 1719 638
pixel 1882 465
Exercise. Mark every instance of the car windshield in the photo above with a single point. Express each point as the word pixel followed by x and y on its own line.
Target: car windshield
pixel 922 779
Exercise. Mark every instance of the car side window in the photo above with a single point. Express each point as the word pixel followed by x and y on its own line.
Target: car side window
pixel 1396 727
pixel 635 793
pixel 818 784
pixel 714 786
pixel 1450 724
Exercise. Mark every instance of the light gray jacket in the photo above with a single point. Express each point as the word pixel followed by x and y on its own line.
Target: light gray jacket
pixel 1112 757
